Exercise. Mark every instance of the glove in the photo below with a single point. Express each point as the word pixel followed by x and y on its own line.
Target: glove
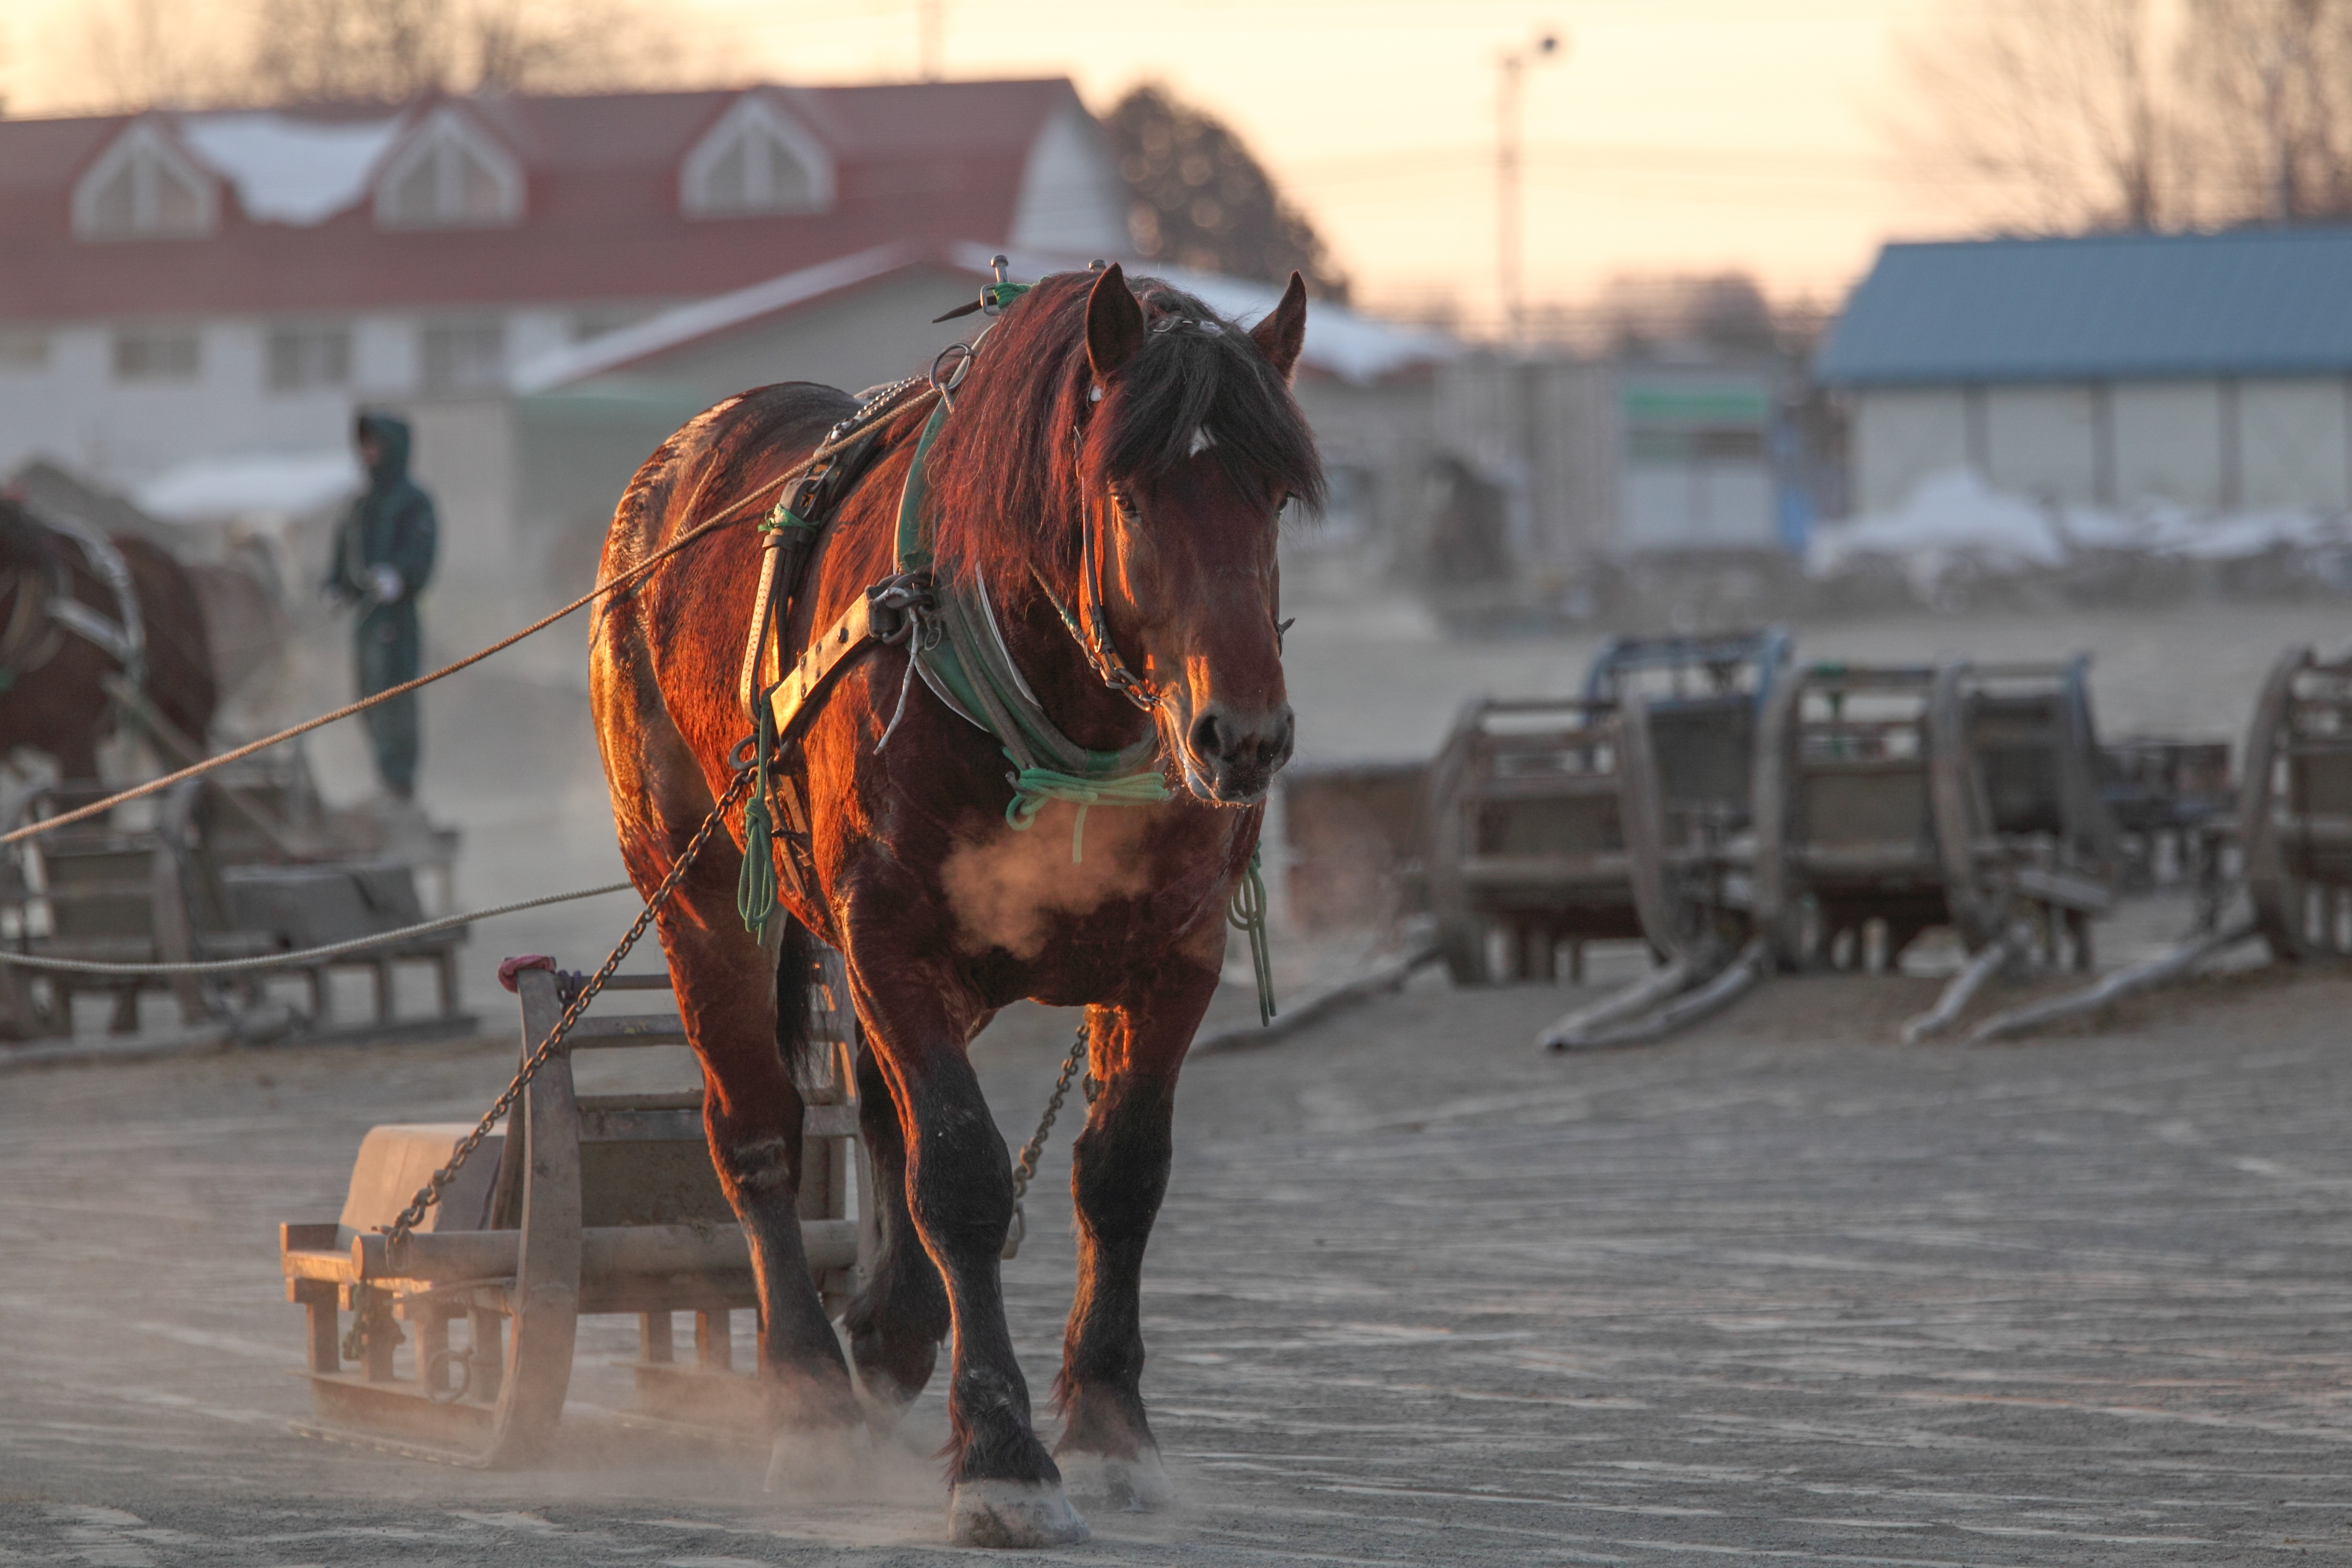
pixel 383 583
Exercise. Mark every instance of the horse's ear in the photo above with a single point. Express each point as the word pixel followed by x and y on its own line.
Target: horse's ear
pixel 1114 324
pixel 1283 333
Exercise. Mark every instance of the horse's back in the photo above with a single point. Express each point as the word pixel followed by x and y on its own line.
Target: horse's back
pixel 716 457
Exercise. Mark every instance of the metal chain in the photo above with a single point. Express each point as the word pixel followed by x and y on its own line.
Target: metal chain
pixel 430 1194
pixel 1027 1166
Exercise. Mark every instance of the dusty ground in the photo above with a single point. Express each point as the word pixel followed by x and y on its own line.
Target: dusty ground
pixel 1779 1291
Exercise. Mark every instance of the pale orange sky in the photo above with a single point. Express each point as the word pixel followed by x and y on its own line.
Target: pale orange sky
pixel 1676 135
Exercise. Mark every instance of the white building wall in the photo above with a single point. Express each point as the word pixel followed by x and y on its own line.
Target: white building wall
pixel 530 334
pixel 2168 442
pixel 1902 434
pixel 2043 441
pixel 1073 199
pixel 384 356
pixel 2291 444
pixel 76 410
pixel 2212 445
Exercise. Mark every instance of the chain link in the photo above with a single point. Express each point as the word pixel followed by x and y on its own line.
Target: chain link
pixel 1027 1166
pixel 430 1194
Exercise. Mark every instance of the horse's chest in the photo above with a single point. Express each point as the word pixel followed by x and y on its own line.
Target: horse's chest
pixel 1012 890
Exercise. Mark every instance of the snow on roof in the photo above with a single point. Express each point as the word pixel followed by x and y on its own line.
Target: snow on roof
pixel 249 484
pixel 286 170
pixel 705 318
pixel 1340 343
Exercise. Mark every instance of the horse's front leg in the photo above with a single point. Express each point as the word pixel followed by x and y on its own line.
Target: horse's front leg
pixel 1119 1173
pixel 1003 1490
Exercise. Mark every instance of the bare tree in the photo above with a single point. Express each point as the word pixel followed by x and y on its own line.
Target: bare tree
pixel 2272 80
pixel 2062 112
pixel 142 53
pixel 138 53
pixel 351 50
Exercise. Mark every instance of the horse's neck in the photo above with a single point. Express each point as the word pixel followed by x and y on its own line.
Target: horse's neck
pixel 1057 673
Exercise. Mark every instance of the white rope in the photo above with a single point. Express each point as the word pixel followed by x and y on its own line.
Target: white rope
pixel 301 956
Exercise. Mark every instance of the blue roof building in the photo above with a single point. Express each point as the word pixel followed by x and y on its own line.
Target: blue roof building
pixel 2214 370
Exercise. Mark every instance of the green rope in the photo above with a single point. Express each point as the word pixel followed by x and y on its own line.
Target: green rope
pixel 1033 787
pixel 755 888
pixel 1248 914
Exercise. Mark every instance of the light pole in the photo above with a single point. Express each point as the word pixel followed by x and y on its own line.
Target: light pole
pixel 929 22
pixel 1513 62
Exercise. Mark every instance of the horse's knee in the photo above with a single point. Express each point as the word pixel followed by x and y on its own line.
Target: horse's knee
pixel 759 1165
pixel 1120 1162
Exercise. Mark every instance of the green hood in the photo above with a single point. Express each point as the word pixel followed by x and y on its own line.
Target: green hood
pixel 391 438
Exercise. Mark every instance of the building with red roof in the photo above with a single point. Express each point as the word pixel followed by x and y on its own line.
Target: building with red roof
pixel 180 285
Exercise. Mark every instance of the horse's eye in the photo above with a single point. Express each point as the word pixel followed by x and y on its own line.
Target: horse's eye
pixel 1124 502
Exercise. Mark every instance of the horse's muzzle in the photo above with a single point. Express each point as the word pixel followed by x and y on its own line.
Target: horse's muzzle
pixel 1231 758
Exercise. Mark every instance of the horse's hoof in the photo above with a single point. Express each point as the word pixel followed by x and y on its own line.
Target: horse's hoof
pixel 821 1464
pixel 1137 1483
pixel 1016 1515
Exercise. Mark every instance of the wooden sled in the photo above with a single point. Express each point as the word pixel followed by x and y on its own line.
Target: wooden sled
pixel 586 1203
pixel 1615 816
pixel 2294 807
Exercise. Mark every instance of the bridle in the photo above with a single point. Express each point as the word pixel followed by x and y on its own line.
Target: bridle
pixel 1089 625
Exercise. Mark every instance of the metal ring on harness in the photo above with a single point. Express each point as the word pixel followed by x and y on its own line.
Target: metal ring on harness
pixel 961 353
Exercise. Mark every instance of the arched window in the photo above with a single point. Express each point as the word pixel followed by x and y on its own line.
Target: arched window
pixel 145 186
pixel 448 174
pixel 757 159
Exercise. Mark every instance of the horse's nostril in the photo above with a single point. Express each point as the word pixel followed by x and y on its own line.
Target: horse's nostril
pixel 1206 736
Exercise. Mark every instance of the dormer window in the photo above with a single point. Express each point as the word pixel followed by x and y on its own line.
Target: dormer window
pixel 145 186
pixel 757 159
pixel 448 174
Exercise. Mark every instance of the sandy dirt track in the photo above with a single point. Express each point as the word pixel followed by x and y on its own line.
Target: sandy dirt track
pixel 1779 1292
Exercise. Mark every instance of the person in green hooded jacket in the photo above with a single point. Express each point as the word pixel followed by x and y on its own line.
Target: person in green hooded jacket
pixel 383 559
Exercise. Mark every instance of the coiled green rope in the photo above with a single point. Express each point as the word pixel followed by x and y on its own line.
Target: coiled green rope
pixel 1033 787
pixel 1248 914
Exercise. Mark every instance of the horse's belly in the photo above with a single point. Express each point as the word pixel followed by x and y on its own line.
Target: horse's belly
pixel 1010 888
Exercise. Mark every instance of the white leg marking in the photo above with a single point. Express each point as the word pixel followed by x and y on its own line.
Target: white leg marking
pixel 1014 1514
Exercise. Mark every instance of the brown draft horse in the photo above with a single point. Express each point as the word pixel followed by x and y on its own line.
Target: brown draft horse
pixel 52 698
pixel 1091 404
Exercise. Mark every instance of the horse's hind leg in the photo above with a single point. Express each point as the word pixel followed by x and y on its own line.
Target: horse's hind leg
pixel 1119 1173
pixel 726 983
pixel 898 1320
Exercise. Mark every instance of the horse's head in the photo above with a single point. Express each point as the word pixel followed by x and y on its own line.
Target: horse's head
pixel 1127 450
pixel 1191 447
